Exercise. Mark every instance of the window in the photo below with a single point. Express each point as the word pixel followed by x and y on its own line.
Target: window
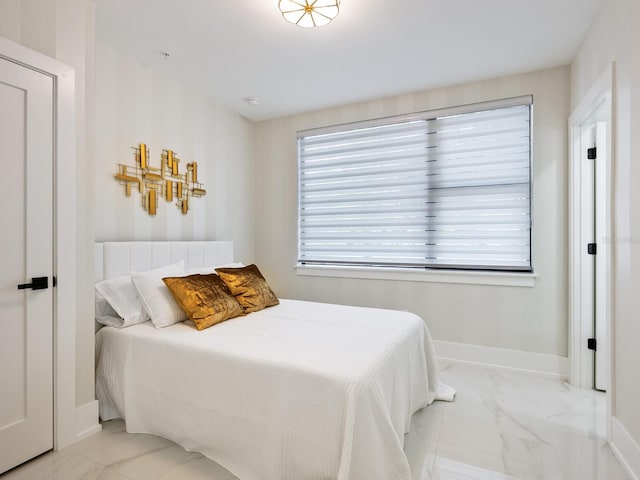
pixel 446 189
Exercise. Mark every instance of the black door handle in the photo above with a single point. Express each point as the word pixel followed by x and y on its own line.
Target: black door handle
pixel 37 283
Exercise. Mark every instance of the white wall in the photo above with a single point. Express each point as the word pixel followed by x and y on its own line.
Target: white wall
pixel 64 30
pixel 521 318
pixel 615 37
pixel 136 104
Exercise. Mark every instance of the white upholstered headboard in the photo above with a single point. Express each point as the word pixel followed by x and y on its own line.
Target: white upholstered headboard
pixel 113 259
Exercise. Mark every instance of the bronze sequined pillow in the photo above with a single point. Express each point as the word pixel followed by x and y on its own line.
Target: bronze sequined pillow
pixel 249 287
pixel 204 298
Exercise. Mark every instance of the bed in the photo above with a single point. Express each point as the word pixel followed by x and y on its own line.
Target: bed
pixel 300 390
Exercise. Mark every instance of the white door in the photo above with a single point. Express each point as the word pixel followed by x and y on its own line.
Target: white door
pixel 593 148
pixel 601 369
pixel 588 225
pixel 26 252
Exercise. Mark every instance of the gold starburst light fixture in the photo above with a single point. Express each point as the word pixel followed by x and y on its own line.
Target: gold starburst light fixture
pixel 309 13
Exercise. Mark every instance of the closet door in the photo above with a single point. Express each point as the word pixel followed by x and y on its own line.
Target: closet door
pixel 26 259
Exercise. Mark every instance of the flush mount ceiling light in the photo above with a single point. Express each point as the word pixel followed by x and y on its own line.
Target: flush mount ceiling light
pixel 309 13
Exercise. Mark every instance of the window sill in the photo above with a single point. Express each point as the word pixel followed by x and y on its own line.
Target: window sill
pixel 508 279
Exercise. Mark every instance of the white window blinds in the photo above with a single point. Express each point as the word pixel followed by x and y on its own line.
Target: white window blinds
pixel 450 189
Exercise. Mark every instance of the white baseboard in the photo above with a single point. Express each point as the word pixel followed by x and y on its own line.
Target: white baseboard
pixel 625 448
pixel 87 420
pixel 515 360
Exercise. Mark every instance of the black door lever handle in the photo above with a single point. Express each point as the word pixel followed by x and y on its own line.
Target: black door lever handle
pixel 37 283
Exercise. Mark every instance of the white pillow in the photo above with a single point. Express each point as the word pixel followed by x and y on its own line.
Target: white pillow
pixel 105 314
pixel 117 303
pixel 156 297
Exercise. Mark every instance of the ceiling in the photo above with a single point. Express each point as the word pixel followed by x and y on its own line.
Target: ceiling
pixel 233 49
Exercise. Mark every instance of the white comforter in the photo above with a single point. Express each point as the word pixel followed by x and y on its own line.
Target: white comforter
pixel 298 391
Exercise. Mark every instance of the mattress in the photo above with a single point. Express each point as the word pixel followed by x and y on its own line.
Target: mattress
pixel 298 391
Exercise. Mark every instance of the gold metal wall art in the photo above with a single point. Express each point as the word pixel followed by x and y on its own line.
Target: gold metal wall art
pixel 165 182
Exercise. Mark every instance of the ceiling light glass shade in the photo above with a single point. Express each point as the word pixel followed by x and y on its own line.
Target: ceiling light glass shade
pixel 309 13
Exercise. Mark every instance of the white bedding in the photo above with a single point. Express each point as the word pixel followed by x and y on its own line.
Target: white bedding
pixel 297 391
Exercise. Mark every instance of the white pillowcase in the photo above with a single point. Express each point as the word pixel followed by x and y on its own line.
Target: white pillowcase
pixel 156 297
pixel 105 314
pixel 117 303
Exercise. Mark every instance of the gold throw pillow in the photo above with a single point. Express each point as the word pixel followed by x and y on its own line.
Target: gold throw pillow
pixel 204 298
pixel 249 287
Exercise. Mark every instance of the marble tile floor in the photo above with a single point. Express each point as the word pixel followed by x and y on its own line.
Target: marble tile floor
pixel 502 426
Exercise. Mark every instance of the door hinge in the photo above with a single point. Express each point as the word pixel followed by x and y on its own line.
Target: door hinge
pixel 592 344
pixel 591 153
pixel 592 248
pixel 54 281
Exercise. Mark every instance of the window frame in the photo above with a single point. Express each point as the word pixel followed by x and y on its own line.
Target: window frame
pixel 447 274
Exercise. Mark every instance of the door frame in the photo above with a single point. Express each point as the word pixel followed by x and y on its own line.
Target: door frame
pixel 595 107
pixel 64 235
